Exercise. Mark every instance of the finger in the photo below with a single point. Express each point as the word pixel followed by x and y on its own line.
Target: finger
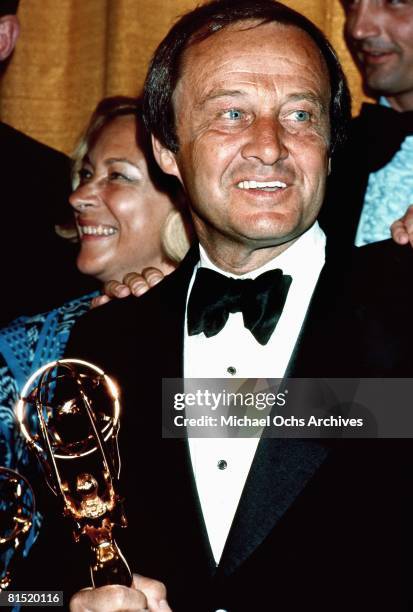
pixel 136 283
pixel 99 301
pixel 115 289
pixel 153 276
pixel 154 591
pixel 111 598
pixel 408 222
pixel 399 233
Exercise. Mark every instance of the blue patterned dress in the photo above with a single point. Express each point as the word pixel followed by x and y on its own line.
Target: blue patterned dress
pixel 25 345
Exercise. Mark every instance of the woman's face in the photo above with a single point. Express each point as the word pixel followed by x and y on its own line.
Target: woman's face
pixel 119 213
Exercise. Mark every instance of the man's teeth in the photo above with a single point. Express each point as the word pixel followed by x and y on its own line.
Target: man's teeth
pixel 261 185
pixel 97 230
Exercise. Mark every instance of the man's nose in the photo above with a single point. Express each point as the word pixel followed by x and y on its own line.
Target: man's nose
pixel 83 196
pixel 265 141
pixel 363 21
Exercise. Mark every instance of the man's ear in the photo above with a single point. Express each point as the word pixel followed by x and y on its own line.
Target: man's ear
pixel 9 33
pixel 329 166
pixel 165 158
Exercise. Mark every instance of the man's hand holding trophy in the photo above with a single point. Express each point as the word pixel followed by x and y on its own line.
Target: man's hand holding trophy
pixel 68 412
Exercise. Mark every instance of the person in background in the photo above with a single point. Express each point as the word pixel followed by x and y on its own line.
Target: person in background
pixel 35 186
pixel 128 217
pixel 371 183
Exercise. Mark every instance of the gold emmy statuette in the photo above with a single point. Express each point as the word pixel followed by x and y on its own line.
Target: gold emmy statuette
pixel 17 508
pixel 69 414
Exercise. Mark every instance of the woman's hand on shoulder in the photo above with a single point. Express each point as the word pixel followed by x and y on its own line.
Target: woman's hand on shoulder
pixel 133 283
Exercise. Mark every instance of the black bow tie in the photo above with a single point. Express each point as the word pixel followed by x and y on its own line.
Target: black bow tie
pixel 386 130
pixel 214 296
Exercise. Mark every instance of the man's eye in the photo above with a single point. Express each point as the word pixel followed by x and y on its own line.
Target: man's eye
pixel 300 116
pixel 233 114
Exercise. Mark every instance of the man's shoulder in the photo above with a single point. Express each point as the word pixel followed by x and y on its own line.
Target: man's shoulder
pixel 387 256
pixel 382 273
pixel 377 274
pixel 164 298
pixel 122 313
pixel 122 323
pixel 16 143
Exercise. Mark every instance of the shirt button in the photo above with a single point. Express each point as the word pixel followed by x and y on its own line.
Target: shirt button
pixel 222 464
pixel 231 370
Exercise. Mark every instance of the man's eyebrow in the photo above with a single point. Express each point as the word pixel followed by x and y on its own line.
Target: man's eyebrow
pixel 221 93
pixel 309 96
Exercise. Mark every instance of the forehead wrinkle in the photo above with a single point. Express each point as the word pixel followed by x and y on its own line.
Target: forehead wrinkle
pixel 283 67
pixel 255 58
pixel 228 42
pixel 238 51
pixel 253 79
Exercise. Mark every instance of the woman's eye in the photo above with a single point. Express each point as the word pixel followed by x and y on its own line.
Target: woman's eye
pixel 84 175
pixel 114 176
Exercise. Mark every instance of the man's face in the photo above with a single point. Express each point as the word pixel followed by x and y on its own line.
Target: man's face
pixel 380 33
pixel 252 116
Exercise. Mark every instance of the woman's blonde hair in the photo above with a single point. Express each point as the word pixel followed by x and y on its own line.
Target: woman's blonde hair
pixel 177 231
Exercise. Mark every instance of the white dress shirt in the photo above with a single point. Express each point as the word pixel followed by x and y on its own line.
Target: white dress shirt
pixel 221 466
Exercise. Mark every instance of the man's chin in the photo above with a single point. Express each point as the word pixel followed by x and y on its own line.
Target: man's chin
pixel 268 241
pixel 379 80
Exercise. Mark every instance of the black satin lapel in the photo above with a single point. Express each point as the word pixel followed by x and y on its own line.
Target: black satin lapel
pixel 182 526
pixel 185 518
pixel 188 523
pixel 280 471
pixel 317 350
pixel 173 296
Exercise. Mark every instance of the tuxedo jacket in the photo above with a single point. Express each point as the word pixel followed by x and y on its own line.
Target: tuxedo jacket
pixel 371 144
pixel 38 268
pixel 320 525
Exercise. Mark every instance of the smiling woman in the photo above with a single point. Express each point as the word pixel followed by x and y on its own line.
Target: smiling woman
pixel 128 217
pixel 122 200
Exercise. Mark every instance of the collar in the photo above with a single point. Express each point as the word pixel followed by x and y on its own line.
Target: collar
pixel 384 102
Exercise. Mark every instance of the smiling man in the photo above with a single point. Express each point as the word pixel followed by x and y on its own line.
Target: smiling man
pixel 246 101
pixel 379 152
pixel 257 115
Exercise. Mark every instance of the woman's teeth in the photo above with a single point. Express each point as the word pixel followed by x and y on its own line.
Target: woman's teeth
pixel 97 230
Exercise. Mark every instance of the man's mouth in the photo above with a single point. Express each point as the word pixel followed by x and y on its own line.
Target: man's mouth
pixel 375 56
pixel 97 230
pixel 262 185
